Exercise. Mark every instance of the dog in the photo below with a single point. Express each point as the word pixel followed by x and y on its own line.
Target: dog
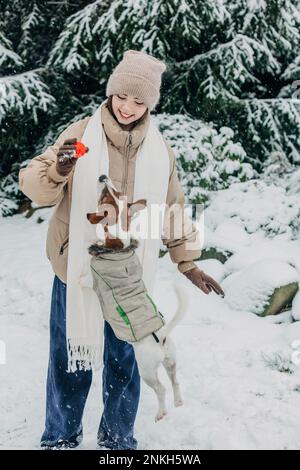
pixel 149 352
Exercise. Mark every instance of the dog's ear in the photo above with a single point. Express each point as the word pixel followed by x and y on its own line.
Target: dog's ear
pixel 93 218
pixel 134 207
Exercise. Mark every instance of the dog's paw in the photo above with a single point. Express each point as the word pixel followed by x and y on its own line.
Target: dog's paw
pixel 160 415
pixel 178 402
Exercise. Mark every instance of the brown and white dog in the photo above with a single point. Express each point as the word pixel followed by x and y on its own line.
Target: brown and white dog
pixel 113 211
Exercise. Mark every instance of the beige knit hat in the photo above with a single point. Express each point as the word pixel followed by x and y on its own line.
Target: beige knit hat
pixel 138 74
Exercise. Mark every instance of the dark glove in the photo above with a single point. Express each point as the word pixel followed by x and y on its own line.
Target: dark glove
pixel 65 161
pixel 203 281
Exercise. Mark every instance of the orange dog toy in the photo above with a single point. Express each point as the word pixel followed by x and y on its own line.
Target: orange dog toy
pixel 81 149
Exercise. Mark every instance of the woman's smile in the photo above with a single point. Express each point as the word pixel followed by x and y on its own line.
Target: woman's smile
pixel 125 116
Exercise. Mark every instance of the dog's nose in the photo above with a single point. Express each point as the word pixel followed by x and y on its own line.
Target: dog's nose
pixel 102 178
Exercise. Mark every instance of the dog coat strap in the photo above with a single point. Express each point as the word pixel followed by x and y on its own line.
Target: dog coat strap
pixel 155 337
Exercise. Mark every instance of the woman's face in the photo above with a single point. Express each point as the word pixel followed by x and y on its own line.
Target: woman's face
pixel 127 108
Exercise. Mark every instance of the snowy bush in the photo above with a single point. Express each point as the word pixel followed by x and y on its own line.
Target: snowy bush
pixel 281 362
pixel 276 167
pixel 10 194
pixel 207 159
pixel 7 205
pixel 257 206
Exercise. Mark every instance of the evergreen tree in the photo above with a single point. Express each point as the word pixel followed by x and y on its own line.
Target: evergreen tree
pixel 234 64
pixel 29 91
pixel 228 62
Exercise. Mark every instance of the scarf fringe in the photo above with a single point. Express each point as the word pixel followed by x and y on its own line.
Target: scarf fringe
pixel 83 357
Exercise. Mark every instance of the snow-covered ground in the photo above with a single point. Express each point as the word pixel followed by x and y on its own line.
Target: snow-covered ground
pixel 232 398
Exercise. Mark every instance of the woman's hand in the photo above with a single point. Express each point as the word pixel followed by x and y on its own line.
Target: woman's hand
pixel 66 158
pixel 203 281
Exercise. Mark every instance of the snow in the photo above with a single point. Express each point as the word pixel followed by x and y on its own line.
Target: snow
pixel 229 360
pixel 270 208
pixel 251 288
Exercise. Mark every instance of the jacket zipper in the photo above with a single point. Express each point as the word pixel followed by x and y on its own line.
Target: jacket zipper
pixel 63 246
pixel 124 181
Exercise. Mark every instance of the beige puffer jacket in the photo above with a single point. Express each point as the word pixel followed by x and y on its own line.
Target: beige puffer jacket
pixel 41 183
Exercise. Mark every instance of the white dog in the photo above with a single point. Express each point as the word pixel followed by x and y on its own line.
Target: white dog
pixel 154 349
pixel 150 354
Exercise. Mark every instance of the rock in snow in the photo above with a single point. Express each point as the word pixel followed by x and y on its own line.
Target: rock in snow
pixel 296 306
pixel 263 288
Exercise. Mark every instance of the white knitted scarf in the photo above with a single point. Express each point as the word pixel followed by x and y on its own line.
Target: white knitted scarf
pixel 84 320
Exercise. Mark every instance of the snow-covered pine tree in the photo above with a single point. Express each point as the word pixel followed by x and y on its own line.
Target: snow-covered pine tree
pixel 21 94
pixel 28 91
pixel 95 38
pixel 227 60
pixel 236 77
pixel 19 91
pixel 232 64
pixel 269 110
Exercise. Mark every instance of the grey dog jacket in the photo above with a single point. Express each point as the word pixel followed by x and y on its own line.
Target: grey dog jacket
pixel 125 303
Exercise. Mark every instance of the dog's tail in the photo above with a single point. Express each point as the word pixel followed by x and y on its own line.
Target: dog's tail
pixel 183 302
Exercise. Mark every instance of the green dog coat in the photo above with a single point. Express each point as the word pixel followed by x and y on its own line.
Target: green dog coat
pixel 125 303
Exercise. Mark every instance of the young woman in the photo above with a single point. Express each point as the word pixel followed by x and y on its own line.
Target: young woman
pixel 133 92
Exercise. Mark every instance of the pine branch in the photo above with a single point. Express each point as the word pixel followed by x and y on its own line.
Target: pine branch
pixel 8 58
pixel 279 119
pixel 25 91
pixel 74 41
pixel 207 74
pixel 33 19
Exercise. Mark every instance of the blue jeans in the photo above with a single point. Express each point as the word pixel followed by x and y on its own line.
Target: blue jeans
pixel 67 392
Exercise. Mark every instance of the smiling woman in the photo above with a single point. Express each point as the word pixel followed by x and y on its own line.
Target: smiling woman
pixel 127 109
pixel 76 339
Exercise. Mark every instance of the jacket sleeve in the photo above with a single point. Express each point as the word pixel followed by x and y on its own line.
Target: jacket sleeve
pixel 39 180
pixel 182 240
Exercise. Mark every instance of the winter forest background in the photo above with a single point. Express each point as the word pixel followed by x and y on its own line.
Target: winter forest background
pixel 230 100
pixel 230 108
